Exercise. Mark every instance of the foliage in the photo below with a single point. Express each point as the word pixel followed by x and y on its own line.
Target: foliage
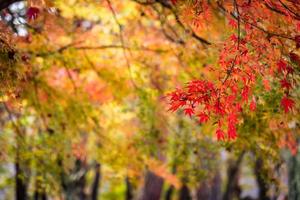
pixel 88 82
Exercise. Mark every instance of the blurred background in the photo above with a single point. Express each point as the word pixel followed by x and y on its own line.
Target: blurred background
pixel 84 108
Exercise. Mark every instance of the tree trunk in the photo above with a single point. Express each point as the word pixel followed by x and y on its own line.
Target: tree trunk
pixel 203 192
pixel 185 193
pixel 129 189
pixel 216 187
pixel 169 193
pixel 96 183
pixel 78 185
pixel 170 190
pixel 39 193
pixel 262 184
pixel 21 187
pixel 210 191
pixel 294 176
pixel 152 187
pixel 73 184
pixel 232 188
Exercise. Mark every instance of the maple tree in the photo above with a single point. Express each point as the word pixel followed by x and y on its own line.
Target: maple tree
pixel 85 93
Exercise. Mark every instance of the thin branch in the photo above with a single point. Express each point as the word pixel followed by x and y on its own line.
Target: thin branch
pixel 100 47
pixel 11 118
pixel 290 10
pixel 122 42
pixel 145 3
pixel 229 72
pixel 254 25
pixel 167 5
pixel 239 23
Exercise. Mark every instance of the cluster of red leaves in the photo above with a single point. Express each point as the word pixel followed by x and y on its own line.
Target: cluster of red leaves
pixel 285 70
pixel 241 61
pixel 202 99
pixel 289 142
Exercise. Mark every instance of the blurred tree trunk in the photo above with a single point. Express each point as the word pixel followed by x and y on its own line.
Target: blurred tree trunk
pixel 96 183
pixel 232 188
pixel 20 175
pixel 203 192
pixel 262 184
pixel 39 191
pixel 169 193
pixel 129 189
pixel 294 176
pixel 21 180
pixel 170 190
pixel 185 193
pixel 210 191
pixel 73 184
pixel 21 187
pixel 216 187
pixel 152 187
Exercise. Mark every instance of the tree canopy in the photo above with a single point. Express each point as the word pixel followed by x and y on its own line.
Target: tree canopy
pixel 142 98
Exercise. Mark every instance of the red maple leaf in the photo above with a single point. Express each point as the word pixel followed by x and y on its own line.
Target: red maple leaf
pixel 175 105
pixel 285 84
pixel 233 23
pixel 282 66
pixel 189 111
pixel 287 104
pixel 219 108
pixel 295 58
pixel 245 93
pixel 220 134
pixel 32 13
pixel 231 131
pixel 203 117
pixel 267 84
pixel 233 38
pixel 298 26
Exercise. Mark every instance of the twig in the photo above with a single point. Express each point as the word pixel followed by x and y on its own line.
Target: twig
pixel 122 42
pixel 254 25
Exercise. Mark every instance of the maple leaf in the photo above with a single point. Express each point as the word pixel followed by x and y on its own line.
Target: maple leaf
pixel 298 26
pixel 285 84
pixel 231 131
pixel 232 118
pixel 32 13
pixel 295 58
pixel 233 38
pixel 203 117
pixel 245 93
pixel 282 66
pixel 287 104
pixel 266 84
pixel 220 134
pixel 189 111
pixel 219 108
pixel 233 23
pixel 176 105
